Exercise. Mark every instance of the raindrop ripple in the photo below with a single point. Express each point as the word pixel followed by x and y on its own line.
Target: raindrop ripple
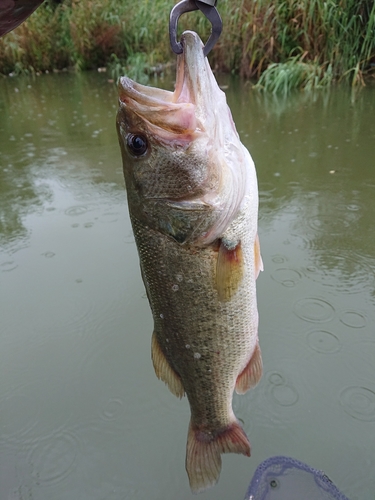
pixel 358 402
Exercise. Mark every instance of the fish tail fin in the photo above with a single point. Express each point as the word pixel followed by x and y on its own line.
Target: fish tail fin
pixel 203 460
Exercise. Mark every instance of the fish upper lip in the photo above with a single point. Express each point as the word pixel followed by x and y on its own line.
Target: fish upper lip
pixel 147 96
pixel 152 97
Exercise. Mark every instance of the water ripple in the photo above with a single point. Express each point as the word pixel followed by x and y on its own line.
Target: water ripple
pixel 280 390
pixel 359 358
pixel 76 210
pixel 266 192
pixel 109 217
pixel 113 409
pixel 277 401
pixel 276 378
pixel 19 415
pixel 353 319
pixel 323 341
pixel 314 310
pixel 329 224
pixel 279 259
pixel 54 458
pixel 48 255
pixel 346 273
pixel 287 276
pixel 78 309
pixel 8 265
pixel 358 402
pixel 105 367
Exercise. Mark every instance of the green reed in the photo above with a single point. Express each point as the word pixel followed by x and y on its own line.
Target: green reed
pixel 284 43
pixel 335 40
pixel 294 73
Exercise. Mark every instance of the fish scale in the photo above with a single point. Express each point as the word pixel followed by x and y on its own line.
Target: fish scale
pixel 194 316
pixel 193 203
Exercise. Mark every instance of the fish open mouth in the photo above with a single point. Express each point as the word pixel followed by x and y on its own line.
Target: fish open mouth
pixel 157 107
pixel 188 107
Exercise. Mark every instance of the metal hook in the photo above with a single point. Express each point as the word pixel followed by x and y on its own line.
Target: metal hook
pixel 207 7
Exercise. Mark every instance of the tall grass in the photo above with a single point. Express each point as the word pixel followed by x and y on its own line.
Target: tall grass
pixel 333 35
pixel 294 73
pixel 292 42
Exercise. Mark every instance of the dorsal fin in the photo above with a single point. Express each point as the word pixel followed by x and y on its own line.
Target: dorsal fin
pixel 258 262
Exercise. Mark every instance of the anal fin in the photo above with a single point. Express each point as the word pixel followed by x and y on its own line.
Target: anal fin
pixel 229 268
pixel 164 371
pixel 203 460
pixel 252 373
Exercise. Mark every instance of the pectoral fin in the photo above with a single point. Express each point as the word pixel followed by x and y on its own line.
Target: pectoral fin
pixel 229 268
pixel 164 371
pixel 251 375
pixel 257 257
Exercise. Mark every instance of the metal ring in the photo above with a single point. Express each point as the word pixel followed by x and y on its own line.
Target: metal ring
pixel 210 2
pixel 176 12
pixel 213 16
pixel 187 6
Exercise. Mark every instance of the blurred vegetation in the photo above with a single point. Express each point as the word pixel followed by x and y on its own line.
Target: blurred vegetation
pixel 282 43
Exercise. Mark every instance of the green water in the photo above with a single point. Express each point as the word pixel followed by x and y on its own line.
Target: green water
pixel 82 415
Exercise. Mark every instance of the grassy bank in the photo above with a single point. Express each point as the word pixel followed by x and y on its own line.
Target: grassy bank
pixel 282 43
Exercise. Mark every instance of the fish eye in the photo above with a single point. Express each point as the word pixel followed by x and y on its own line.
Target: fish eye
pixel 137 144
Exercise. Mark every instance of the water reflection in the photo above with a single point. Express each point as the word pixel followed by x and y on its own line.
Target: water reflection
pixel 82 414
pixel 52 130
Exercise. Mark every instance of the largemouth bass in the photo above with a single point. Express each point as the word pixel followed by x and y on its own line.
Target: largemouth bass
pixel 193 202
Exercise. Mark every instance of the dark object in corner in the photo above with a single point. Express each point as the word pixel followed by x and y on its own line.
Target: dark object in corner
pixel 14 12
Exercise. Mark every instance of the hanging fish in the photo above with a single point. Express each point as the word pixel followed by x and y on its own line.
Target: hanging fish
pixel 193 202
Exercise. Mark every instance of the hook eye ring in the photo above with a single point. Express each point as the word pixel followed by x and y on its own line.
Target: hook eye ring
pixel 188 6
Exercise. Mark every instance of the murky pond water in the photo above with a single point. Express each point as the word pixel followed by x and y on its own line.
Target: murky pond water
pixel 82 415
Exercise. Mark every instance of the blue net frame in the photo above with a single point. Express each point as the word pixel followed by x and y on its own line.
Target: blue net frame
pixel 284 478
